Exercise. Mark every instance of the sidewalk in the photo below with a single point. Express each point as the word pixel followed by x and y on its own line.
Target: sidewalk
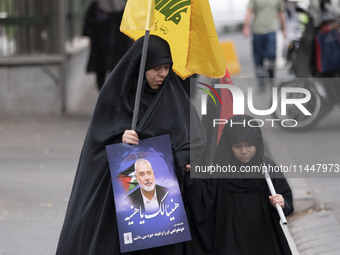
pixel 313 232
pixel 38 160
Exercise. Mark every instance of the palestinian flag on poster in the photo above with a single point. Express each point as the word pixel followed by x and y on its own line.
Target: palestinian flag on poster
pixel 128 179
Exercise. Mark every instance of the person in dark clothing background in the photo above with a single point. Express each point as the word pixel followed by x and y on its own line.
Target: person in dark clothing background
pixel 90 225
pixel 108 44
pixel 236 214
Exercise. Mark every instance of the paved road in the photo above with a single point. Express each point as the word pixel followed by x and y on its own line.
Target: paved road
pixel 38 158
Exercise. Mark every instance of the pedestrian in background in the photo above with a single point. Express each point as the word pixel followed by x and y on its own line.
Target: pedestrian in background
pixel 263 16
pixel 108 44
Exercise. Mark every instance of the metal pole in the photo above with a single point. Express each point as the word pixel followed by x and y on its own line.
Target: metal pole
pixel 62 52
pixel 148 26
pixel 140 79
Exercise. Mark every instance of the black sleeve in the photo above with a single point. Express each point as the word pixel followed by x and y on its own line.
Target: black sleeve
pixel 89 20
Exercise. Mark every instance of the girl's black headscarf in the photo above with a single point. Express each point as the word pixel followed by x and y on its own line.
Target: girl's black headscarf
pixel 241 128
pixel 90 225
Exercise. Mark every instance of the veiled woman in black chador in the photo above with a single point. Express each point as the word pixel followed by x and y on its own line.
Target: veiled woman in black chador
pixel 90 225
pixel 236 215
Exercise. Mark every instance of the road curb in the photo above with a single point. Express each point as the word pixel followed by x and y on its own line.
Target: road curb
pixel 302 195
pixel 316 233
pixel 312 232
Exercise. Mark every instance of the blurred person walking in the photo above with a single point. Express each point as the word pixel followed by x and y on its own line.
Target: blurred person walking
pixel 261 21
pixel 108 44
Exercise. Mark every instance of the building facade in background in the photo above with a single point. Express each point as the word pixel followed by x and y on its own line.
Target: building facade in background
pixel 37 45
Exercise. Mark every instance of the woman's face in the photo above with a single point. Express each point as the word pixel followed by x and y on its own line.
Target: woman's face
pixel 156 75
pixel 244 152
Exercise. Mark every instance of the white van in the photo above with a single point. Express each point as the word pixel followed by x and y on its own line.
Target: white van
pixel 228 12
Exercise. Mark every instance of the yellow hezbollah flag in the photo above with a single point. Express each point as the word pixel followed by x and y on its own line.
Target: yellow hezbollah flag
pixel 187 25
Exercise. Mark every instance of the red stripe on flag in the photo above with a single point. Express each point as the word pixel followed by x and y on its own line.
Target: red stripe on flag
pixel 227 100
pixel 125 180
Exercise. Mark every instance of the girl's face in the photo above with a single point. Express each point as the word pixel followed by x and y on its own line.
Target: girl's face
pixel 244 152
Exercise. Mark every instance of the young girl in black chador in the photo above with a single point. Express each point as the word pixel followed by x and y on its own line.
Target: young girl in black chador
pixel 236 215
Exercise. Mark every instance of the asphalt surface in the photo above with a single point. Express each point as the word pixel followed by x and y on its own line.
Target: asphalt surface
pixel 38 159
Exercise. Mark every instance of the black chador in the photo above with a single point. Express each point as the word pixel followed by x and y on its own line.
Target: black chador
pixel 234 215
pixel 90 225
